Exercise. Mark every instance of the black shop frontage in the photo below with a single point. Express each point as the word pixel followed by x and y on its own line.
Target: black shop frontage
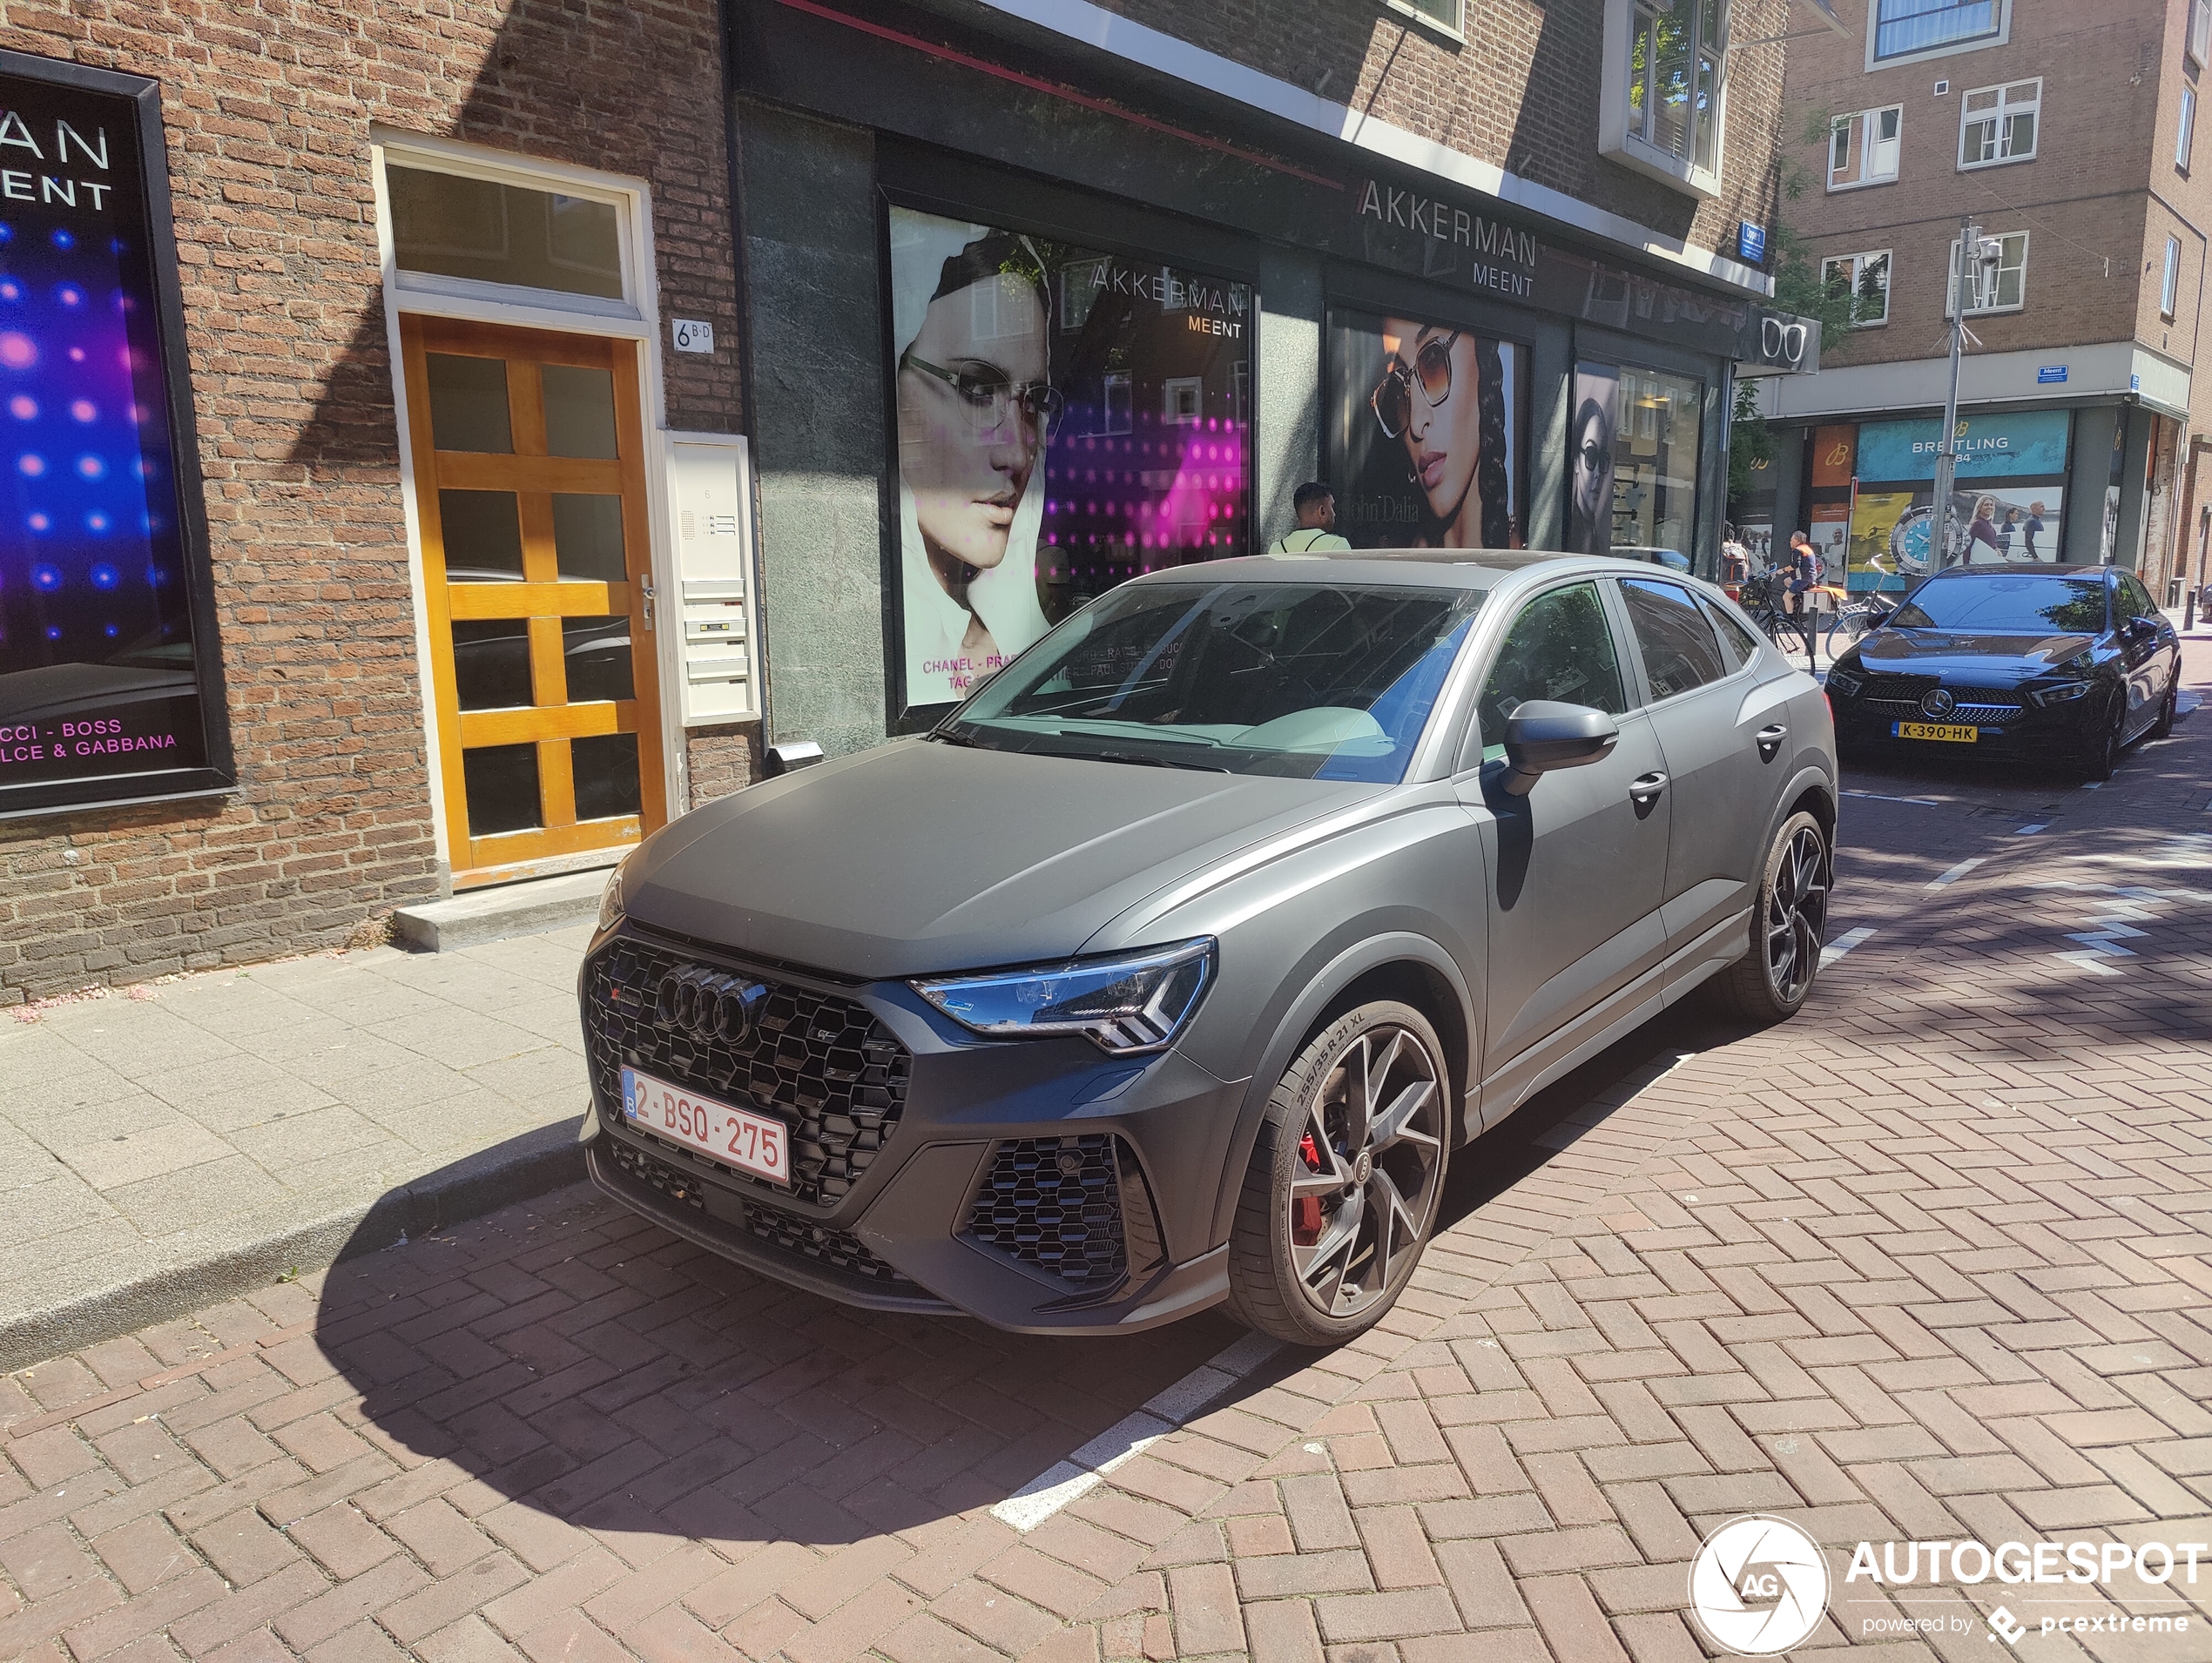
pixel 1010 344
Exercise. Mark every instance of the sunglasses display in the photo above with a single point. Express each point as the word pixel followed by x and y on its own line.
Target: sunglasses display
pixel 1392 399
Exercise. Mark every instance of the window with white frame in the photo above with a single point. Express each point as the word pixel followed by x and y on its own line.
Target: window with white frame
pixel 1863 148
pixel 2185 135
pixel 1450 16
pixel 1865 279
pixel 2200 38
pixel 1912 28
pixel 1999 123
pixel 2007 293
pixel 464 227
pixel 2169 282
pixel 1661 106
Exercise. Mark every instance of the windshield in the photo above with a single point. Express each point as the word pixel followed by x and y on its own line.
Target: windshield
pixel 2022 605
pixel 1313 681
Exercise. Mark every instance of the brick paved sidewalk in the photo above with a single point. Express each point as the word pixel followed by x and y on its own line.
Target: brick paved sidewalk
pixel 1933 1261
pixel 175 1142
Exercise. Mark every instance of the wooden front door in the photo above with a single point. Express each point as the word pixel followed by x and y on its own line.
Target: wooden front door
pixel 529 450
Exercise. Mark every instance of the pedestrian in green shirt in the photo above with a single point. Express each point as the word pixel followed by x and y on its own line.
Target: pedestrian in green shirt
pixel 1315 506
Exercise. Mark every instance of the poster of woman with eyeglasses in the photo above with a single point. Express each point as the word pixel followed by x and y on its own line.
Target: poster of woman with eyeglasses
pixel 1066 420
pixel 1427 445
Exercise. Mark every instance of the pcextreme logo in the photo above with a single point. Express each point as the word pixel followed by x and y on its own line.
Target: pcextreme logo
pixel 1758 1586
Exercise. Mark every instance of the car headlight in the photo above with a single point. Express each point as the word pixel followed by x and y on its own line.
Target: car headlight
pixel 611 897
pixel 2060 695
pixel 1845 681
pixel 1129 1002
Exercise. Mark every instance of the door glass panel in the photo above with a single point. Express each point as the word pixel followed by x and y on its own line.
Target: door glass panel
pixel 579 411
pixel 606 776
pixel 1680 650
pixel 468 404
pixel 491 663
pixel 597 651
pixel 501 782
pixel 1560 648
pixel 451 226
pixel 483 536
pixel 1747 647
pixel 587 537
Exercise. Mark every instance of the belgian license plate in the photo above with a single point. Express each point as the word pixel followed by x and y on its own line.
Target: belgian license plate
pixel 1949 732
pixel 736 1137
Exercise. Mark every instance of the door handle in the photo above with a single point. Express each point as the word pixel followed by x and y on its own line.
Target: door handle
pixel 1644 789
pixel 1770 739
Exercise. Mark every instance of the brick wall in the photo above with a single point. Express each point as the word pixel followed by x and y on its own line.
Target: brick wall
pixel 268 108
pixel 1520 92
pixel 2084 198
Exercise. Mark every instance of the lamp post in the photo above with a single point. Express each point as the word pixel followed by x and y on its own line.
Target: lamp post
pixel 1979 259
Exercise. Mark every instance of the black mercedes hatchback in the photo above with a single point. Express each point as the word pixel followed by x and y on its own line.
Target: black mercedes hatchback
pixel 2069 664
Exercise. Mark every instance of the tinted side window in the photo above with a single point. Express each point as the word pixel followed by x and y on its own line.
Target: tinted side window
pixel 1746 643
pixel 1559 648
pixel 1680 650
pixel 2136 600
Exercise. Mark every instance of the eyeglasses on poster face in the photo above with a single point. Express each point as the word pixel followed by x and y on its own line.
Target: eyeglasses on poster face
pixel 987 398
pixel 1392 399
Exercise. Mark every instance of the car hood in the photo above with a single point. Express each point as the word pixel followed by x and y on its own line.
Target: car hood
pixel 1923 651
pixel 917 857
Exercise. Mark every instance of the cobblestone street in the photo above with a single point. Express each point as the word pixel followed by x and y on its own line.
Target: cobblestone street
pixel 1933 1261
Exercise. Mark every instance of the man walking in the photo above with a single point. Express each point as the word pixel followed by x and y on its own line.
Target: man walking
pixel 1316 505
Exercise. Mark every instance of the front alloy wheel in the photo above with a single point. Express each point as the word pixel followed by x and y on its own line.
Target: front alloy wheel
pixel 1775 975
pixel 1345 1178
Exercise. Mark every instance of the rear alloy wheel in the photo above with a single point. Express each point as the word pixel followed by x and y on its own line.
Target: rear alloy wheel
pixel 2164 725
pixel 1345 1178
pixel 2101 756
pixel 1771 981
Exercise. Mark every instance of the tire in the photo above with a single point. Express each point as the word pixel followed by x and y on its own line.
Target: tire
pixel 1772 980
pixel 1298 1270
pixel 2101 756
pixel 2164 725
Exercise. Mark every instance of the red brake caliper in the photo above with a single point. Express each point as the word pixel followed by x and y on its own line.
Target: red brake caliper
pixel 1305 1212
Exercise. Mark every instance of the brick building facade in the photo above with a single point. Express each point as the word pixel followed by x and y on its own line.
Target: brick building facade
pixel 269 114
pixel 2085 179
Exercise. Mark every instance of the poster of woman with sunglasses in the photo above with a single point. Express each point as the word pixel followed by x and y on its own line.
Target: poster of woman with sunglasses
pixel 1426 438
pixel 1066 420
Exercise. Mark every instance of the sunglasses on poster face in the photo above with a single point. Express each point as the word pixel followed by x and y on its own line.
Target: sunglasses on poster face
pixel 986 397
pixel 1392 399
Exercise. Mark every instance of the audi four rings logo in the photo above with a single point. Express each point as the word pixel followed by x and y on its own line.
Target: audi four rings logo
pixel 1780 342
pixel 708 1005
pixel 1938 704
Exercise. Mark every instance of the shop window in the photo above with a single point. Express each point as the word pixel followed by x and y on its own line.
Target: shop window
pixel 1908 28
pixel 1663 106
pixel 2185 133
pixel 1066 420
pixel 448 224
pixel 1634 455
pixel 1450 16
pixel 2169 281
pixel 2008 293
pixel 1865 279
pixel 1999 123
pixel 1863 149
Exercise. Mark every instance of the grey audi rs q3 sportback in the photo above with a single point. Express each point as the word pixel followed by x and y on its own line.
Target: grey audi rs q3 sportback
pixel 1178 964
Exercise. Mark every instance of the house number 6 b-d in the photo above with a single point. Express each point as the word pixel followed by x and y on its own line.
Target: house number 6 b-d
pixel 693 336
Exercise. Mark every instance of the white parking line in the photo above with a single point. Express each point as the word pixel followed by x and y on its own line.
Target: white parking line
pixel 1884 797
pixel 1956 872
pixel 1842 944
pixel 1130 1437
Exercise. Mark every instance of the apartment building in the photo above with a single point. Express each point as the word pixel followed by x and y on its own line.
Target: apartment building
pixel 2067 133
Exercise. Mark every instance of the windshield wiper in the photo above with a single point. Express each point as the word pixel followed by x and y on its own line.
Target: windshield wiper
pixel 1133 758
pixel 946 735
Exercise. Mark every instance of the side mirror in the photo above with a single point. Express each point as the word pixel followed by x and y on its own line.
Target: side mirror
pixel 1542 735
pixel 2139 630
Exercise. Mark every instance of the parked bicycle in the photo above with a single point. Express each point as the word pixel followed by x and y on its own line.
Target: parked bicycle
pixel 1856 618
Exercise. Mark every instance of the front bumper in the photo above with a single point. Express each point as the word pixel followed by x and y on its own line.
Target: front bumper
pixel 1038 1184
pixel 2005 723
